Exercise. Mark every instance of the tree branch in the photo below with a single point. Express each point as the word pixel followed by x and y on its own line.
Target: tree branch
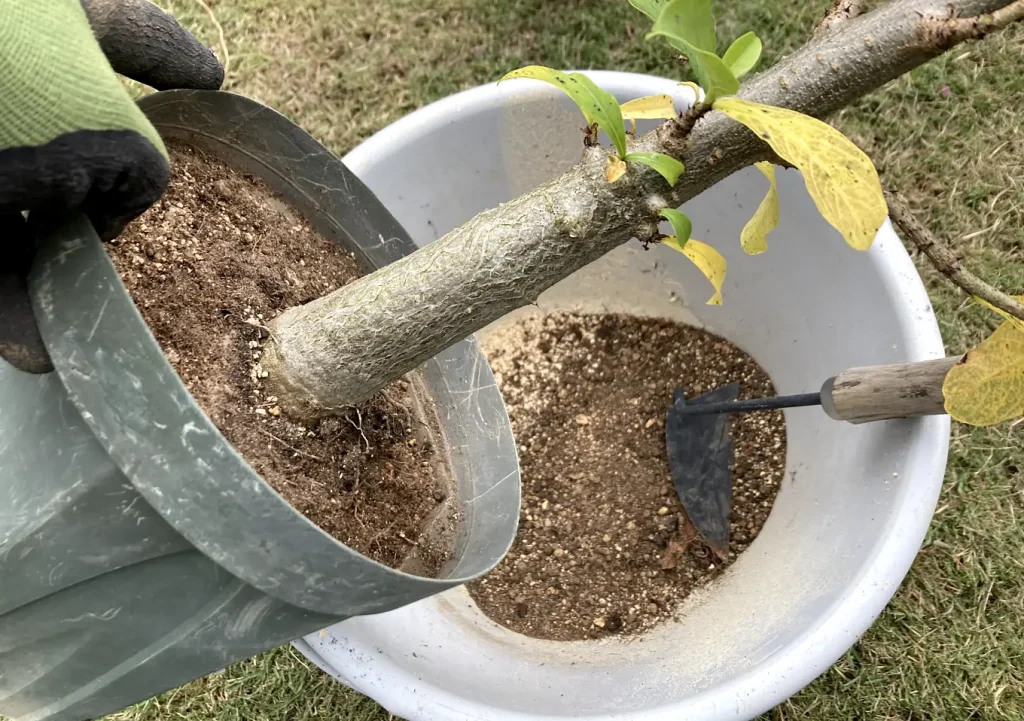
pixel 840 12
pixel 954 30
pixel 944 259
pixel 341 348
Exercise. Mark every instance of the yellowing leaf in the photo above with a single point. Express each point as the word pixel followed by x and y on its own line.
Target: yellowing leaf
pixel 743 54
pixel 707 259
pixel 1016 321
pixel 694 87
pixel 615 170
pixel 597 105
pixel 651 107
pixel 988 387
pixel 840 178
pixel 668 167
pixel 754 237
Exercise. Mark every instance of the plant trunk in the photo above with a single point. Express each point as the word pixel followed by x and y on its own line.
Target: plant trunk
pixel 340 349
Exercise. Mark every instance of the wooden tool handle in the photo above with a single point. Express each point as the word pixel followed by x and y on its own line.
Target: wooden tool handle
pixel 877 393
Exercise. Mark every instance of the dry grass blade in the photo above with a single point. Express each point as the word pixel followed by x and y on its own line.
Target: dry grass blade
pixel 226 60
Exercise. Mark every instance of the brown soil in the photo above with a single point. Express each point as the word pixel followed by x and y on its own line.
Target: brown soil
pixel 209 266
pixel 603 543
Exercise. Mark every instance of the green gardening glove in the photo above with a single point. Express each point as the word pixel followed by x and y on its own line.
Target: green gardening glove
pixel 71 138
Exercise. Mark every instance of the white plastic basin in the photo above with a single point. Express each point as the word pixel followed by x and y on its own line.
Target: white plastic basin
pixel 849 518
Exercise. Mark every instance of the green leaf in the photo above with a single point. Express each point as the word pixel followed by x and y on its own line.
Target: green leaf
pixel 689 21
pixel 743 54
pixel 669 168
pixel 754 236
pixel 714 77
pixel 650 8
pixel 597 105
pixel 681 224
pixel 840 178
pixel 684 24
pixel 610 119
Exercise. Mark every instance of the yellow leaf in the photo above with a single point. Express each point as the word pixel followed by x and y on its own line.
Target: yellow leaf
pixel 1016 321
pixel 651 107
pixel 707 259
pixel 840 178
pixel 988 387
pixel 754 237
pixel 616 168
pixel 694 87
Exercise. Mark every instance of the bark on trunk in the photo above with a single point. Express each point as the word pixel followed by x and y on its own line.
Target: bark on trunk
pixel 341 348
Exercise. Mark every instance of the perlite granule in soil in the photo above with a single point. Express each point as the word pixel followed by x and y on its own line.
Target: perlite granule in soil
pixel 604 546
pixel 209 266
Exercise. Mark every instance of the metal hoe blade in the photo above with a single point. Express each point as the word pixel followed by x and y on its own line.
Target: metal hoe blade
pixel 700 454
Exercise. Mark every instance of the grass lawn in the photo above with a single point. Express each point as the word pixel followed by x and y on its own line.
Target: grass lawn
pixel 951 644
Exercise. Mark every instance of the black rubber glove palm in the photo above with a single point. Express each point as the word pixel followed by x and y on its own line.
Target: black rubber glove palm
pixel 71 139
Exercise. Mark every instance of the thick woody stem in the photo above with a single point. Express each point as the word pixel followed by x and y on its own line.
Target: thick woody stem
pixel 341 348
pixel 945 260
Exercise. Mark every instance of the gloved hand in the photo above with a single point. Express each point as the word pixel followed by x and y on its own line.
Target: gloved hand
pixel 71 138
